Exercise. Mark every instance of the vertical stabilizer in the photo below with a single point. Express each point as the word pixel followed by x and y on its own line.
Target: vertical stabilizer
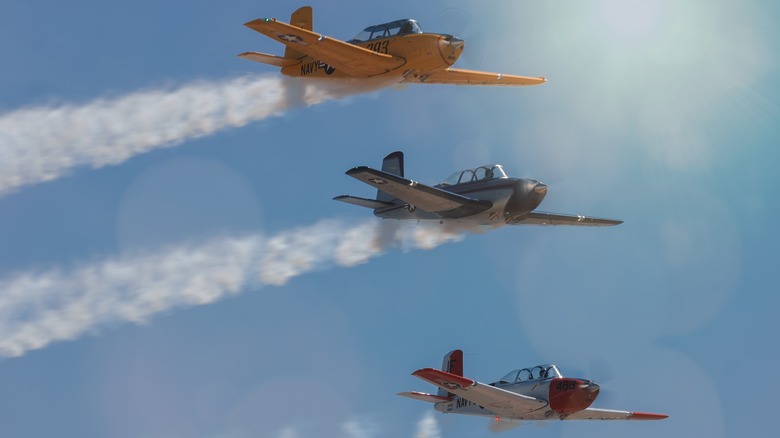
pixel 301 18
pixel 393 164
pixel 453 364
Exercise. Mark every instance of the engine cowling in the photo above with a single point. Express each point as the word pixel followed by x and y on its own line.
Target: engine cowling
pixel 568 395
pixel 450 48
pixel 526 196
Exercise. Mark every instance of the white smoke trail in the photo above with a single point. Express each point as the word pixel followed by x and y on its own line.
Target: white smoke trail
pixel 45 143
pixel 40 307
pixel 359 428
pixel 427 427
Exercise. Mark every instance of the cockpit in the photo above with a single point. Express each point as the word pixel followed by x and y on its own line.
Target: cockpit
pixel 490 171
pixel 539 372
pixel 386 30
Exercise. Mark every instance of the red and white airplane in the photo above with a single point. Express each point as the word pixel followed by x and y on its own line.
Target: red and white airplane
pixel 537 393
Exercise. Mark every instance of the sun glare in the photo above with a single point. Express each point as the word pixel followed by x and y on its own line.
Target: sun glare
pixel 630 19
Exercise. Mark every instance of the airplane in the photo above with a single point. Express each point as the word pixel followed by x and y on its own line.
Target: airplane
pixel 481 196
pixel 537 393
pixel 398 50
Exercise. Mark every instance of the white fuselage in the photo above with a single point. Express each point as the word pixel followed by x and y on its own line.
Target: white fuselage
pixel 536 389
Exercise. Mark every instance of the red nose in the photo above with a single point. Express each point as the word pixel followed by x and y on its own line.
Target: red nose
pixel 568 396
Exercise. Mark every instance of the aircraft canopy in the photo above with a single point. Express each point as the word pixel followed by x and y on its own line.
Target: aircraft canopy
pixel 539 372
pixel 397 27
pixel 489 171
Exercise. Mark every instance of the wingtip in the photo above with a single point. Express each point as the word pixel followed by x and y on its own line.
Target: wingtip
pixel 608 222
pixel 421 370
pixel 647 416
pixel 355 170
pixel 257 21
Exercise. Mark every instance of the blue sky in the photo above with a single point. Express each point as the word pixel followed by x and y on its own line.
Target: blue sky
pixel 172 264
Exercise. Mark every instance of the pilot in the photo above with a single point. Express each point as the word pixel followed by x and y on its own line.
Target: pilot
pixel 542 372
pixel 489 173
pixel 406 28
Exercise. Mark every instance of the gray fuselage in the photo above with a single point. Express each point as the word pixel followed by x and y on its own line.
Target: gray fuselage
pixel 507 197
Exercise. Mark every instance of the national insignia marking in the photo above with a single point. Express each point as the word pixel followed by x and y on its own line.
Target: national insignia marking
pixel 292 38
pixel 451 385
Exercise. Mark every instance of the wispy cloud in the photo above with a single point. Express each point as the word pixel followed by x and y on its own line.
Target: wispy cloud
pixel 44 143
pixel 61 303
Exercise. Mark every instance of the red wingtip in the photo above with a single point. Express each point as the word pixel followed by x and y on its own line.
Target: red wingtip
pixel 647 416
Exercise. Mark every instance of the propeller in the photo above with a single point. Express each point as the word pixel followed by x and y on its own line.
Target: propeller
pixel 457 22
pixel 601 372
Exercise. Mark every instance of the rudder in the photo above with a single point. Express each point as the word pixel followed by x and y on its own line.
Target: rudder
pixel 393 164
pixel 302 18
pixel 453 364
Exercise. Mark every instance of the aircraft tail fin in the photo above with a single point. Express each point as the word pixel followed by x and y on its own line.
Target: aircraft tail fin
pixel 302 18
pixel 453 364
pixel 393 164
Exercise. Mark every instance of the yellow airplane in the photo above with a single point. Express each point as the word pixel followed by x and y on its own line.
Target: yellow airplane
pixel 395 49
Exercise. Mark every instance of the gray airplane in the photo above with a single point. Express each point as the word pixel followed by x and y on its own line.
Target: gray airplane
pixel 481 196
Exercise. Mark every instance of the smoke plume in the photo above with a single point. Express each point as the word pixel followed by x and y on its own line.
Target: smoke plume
pixel 44 143
pixel 40 307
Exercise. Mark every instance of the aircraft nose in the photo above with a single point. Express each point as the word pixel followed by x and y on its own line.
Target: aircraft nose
pixel 450 47
pixel 456 43
pixel 592 387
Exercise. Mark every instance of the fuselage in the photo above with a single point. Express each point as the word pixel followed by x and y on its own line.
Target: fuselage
pixel 424 53
pixel 564 396
pixel 539 389
pixel 510 198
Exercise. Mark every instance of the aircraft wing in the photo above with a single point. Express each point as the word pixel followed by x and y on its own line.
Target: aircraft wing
pixel 542 218
pixel 609 414
pixel 421 196
pixel 502 402
pixel 348 58
pixel 459 76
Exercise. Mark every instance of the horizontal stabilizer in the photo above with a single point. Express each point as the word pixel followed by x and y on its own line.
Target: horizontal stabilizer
pixel 269 59
pixel 363 202
pixel 443 378
pixel 430 398
pixel 541 218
